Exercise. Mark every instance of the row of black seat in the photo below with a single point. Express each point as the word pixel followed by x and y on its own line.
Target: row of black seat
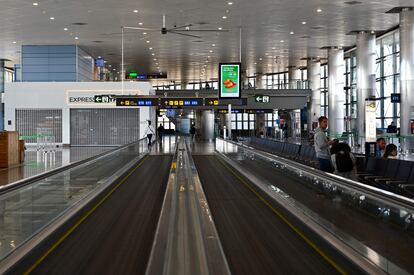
pixel 389 174
pixel 301 153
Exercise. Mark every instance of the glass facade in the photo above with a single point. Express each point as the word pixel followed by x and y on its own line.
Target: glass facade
pixel 387 79
pixel 243 121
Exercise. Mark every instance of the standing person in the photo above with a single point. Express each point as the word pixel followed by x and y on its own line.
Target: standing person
pixel 149 132
pixel 343 161
pixel 322 145
pixel 192 131
pixel 390 151
pixel 392 129
pixel 380 147
pixel 160 132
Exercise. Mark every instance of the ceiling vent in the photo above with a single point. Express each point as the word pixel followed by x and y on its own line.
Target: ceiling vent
pixel 79 24
pixel 97 41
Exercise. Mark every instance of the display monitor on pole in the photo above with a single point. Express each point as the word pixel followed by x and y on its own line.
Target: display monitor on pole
pixel 229 80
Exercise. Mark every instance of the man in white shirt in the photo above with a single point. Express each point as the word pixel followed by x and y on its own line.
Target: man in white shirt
pixel 322 145
pixel 149 132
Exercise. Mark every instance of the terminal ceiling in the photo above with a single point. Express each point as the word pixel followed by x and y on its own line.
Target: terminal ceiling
pixel 274 33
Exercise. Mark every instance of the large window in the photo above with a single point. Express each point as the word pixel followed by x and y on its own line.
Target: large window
pixel 324 90
pixel 387 79
pixel 350 91
pixel 243 121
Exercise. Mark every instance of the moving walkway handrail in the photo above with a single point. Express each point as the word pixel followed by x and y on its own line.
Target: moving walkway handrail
pixel 26 181
pixel 385 197
pixel 186 241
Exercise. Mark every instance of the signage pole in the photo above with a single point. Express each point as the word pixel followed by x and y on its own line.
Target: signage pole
pixel 229 121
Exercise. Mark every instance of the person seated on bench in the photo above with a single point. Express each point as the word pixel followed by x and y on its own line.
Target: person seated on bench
pixel 380 147
pixel 343 161
pixel 390 152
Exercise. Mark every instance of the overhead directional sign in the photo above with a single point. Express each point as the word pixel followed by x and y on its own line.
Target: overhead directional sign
pixel 181 102
pixel 262 98
pixel 224 102
pixel 104 98
pixel 136 102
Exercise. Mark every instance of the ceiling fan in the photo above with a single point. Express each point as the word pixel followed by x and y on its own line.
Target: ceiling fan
pixel 181 30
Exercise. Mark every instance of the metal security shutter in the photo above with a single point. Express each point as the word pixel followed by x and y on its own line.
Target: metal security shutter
pixel 102 127
pixel 35 122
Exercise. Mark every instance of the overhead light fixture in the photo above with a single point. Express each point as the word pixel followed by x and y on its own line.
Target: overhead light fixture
pixel 135 11
pixel 65 29
pixel 153 54
pixel 319 10
pixel 230 3
pixel 303 23
pixel 14 42
pixel 155 59
pixel 213 45
pixel 35 4
pixel 144 33
pixel 208 56
pixel 282 41
pixel 76 37
pixel 260 59
pixel 224 17
pixel 109 65
pixel 273 48
pixel 99 56
pixel 140 23
pixel 266 53
pixel 255 63
pixel 220 28
pixel 211 51
pixel 150 48
pixel 292 32
pixel 52 18
pixel 148 41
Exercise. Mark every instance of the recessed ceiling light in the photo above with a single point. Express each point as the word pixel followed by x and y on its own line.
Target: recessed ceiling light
pixel 140 23
pixel 220 28
pixel 76 37
pixel 150 48
pixel 153 54
pixel 282 41
pixel 14 42
pixel 35 4
pixel 208 56
pixel 255 63
pixel 230 3
pixel 155 59
pixel 52 18
pixel 224 17
pixel 65 29
pixel 99 56
pixel 273 48
pixel 109 65
pixel 144 33
pixel 292 32
pixel 148 41
pixel 213 45
pixel 266 53
pixel 319 10
pixel 211 51
pixel 135 11
pixel 303 23
pixel 114 69
pixel 260 58
pixel 157 63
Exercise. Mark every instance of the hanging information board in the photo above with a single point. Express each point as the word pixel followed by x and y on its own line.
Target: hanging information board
pixel 230 80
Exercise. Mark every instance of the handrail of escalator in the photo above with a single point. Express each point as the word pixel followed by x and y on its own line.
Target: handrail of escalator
pixel 374 193
pixel 26 181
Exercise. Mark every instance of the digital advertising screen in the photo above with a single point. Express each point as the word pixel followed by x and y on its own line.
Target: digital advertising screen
pixel 229 80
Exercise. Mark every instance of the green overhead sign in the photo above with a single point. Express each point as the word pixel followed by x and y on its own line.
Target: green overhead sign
pixel 262 98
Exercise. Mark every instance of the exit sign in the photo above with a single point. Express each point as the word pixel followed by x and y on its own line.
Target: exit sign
pixel 262 98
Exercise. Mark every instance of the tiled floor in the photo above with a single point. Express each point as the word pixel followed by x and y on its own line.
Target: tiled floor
pixel 37 162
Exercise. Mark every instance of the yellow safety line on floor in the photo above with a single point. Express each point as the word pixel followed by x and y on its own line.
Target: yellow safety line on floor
pixel 84 217
pixel 284 219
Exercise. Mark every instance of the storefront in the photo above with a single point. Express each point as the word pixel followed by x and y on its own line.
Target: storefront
pixel 76 113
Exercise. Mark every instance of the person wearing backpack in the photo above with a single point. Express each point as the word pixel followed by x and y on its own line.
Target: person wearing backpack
pixel 343 161
pixel 149 132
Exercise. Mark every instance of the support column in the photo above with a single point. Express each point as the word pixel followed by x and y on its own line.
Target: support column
pixel 259 81
pixel 407 78
pixel 207 125
pixel 1 91
pixel 294 77
pixel 336 67
pixel 314 79
pixel 365 53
